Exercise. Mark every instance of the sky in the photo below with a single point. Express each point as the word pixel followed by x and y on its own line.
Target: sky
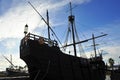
pixel 91 17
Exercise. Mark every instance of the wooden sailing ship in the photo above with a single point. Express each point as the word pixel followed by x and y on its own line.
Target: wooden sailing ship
pixel 46 61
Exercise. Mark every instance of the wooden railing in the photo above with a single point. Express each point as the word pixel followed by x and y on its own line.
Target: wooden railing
pixel 40 39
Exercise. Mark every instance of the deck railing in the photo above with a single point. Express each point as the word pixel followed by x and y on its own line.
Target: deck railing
pixel 41 39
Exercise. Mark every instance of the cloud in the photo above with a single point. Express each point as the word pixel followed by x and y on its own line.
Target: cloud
pixel 21 13
pixel 9 45
pixel 108 52
pixel 109 44
pixel 13 21
pixel 4 7
pixel 12 24
pixel 113 52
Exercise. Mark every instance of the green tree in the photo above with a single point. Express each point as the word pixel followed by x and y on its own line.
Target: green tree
pixel 111 62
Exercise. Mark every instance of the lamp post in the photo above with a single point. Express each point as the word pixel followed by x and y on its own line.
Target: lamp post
pixel 26 29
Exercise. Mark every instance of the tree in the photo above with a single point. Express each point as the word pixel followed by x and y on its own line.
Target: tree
pixel 111 62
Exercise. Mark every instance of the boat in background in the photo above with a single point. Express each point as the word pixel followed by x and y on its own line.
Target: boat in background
pixel 14 71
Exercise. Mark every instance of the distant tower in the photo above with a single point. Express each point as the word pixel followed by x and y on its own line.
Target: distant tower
pixel 26 29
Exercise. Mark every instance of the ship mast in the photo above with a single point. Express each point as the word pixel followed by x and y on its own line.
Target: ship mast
pixel 94 45
pixel 72 28
pixel 71 20
pixel 10 61
pixel 48 25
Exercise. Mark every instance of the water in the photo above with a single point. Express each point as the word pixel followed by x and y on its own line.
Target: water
pixel 26 78
pixel 14 78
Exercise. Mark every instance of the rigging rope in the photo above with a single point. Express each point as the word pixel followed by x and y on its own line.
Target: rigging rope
pixel 69 36
pixel 45 22
pixel 68 32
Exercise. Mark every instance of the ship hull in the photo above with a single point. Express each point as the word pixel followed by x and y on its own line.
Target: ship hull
pixel 13 73
pixel 49 63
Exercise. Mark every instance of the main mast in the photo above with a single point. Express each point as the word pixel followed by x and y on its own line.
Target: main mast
pixel 71 20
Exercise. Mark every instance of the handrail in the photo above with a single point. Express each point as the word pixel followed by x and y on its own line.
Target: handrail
pixel 36 37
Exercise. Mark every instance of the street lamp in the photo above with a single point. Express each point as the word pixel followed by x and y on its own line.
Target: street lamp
pixel 26 29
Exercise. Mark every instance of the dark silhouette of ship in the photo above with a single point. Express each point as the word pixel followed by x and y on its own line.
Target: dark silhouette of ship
pixel 46 61
pixel 11 72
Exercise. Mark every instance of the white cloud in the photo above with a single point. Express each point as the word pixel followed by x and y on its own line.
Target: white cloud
pixel 10 44
pixel 113 52
pixel 108 52
pixel 12 23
